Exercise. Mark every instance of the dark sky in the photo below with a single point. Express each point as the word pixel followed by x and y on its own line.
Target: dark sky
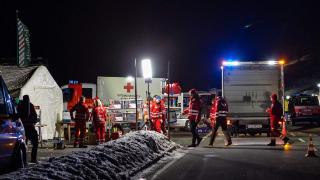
pixel 84 39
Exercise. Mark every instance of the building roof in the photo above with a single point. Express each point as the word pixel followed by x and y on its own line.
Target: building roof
pixel 15 77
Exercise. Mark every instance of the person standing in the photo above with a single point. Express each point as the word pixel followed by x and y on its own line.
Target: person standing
pixel 194 116
pixel 28 116
pixel 220 108
pixel 99 118
pixel 82 116
pixel 157 114
pixel 275 114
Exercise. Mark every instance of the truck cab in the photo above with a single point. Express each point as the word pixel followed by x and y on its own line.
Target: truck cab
pixel 72 93
pixel 303 108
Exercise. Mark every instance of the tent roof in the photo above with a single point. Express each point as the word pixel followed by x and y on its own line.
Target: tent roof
pixel 16 77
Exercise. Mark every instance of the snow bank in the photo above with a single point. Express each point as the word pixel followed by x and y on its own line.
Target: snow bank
pixel 119 159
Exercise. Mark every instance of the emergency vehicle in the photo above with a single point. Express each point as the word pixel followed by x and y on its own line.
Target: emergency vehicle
pixel 72 93
pixel 303 108
pixel 247 87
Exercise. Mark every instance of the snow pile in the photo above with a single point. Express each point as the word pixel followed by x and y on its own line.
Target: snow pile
pixel 119 159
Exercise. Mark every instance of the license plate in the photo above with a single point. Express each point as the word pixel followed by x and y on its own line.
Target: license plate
pixel 254 126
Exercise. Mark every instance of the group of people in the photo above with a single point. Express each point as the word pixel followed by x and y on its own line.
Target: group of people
pixel 157 114
pixel 218 117
pixel 82 115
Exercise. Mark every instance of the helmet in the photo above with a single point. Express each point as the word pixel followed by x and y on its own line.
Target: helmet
pixel 157 98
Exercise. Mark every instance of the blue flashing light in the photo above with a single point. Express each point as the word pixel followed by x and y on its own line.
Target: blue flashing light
pixel 73 82
pixel 230 63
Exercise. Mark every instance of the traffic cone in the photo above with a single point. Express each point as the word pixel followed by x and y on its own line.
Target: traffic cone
pixel 311 149
pixel 284 129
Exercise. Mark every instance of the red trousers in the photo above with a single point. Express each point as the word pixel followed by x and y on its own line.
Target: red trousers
pixel 157 125
pixel 100 131
pixel 80 127
pixel 274 125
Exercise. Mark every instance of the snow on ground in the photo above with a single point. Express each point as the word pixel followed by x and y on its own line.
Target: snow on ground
pixel 119 159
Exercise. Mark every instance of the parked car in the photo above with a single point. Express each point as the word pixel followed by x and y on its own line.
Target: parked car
pixel 303 108
pixel 12 138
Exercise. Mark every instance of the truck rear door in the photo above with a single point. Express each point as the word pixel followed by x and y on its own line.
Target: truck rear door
pixel 247 89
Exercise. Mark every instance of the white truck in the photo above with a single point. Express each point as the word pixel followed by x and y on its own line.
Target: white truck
pixel 117 88
pixel 247 87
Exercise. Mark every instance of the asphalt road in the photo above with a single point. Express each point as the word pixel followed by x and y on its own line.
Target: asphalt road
pixel 247 158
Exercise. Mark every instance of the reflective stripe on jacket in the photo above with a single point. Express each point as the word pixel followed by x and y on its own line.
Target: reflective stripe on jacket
pixel 194 110
pixel 99 114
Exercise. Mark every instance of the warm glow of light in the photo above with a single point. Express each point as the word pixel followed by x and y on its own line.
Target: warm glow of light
pixel 286 147
pixel 281 62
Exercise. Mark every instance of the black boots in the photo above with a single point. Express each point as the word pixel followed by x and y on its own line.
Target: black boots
pixel 272 143
pixel 199 141
pixel 285 140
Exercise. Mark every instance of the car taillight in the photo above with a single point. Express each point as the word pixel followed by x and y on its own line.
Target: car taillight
pixel 298 110
pixel 228 122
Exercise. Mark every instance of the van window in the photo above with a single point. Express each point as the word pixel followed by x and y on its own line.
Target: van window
pixel 6 106
pixel 306 101
pixel 2 104
pixel 87 92
pixel 67 94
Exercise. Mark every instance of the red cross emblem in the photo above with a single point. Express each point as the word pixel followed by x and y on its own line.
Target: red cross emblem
pixel 128 87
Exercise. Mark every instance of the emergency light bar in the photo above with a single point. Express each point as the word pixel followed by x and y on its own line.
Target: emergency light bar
pixel 237 63
pixel 230 63
pixel 73 82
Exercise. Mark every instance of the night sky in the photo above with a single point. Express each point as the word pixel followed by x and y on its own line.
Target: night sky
pixel 85 39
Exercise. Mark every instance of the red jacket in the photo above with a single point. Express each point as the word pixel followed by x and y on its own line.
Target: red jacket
pixel 275 111
pixel 158 111
pixel 220 107
pixel 194 110
pixel 99 114
pixel 82 112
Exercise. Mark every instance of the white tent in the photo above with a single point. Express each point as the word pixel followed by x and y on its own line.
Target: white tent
pixel 43 90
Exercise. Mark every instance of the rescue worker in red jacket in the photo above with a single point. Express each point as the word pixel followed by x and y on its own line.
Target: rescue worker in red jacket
pixel 99 117
pixel 194 116
pixel 163 121
pixel 220 108
pixel 82 116
pixel 157 114
pixel 275 114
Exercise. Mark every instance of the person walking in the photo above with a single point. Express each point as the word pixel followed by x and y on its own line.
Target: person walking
pixel 157 114
pixel 28 116
pixel 220 108
pixel 99 117
pixel 275 114
pixel 82 116
pixel 194 116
